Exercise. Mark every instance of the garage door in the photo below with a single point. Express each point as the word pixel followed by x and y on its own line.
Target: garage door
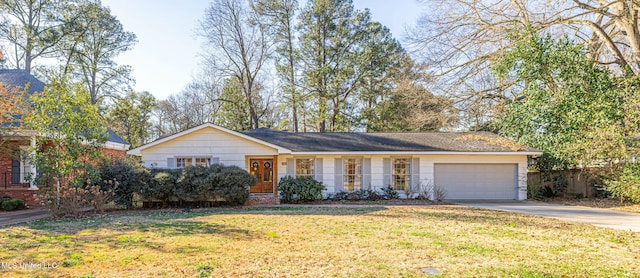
pixel 477 181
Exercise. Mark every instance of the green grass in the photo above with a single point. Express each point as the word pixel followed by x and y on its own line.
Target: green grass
pixel 320 242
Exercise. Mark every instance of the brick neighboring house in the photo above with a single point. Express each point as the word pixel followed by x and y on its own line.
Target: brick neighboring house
pixel 15 169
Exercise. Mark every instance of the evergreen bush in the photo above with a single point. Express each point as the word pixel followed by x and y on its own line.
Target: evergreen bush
pixel 12 204
pixel 625 186
pixel 300 189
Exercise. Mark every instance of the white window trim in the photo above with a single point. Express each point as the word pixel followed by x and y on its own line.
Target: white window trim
pixel 295 166
pixel 24 150
pixel 193 160
pixel 344 173
pixel 409 174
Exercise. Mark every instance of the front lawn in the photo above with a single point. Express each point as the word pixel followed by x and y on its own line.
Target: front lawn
pixel 320 241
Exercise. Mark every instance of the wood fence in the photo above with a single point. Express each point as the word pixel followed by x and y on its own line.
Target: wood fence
pixel 579 183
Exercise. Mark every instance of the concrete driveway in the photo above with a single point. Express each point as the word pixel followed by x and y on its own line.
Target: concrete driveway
pixel 598 217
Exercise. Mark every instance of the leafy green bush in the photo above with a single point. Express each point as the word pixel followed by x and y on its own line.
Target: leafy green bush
pixel 390 193
pixel 189 183
pixel 338 196
pixel 227 184
pixel 300 189
pixel 12 204
pixel 626 185
pixel 232 184
pixel 535 191
pixel 123 177
pixel 4 199
pixel 161 186
pixel 364 195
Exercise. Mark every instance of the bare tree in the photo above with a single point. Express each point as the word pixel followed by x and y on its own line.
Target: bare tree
pixel 281 16
pixel 99 37
pixel 238 48
pixel 33 28
pixel 199 102
pixel 459 39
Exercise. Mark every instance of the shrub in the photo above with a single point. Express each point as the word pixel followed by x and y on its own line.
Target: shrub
pixel 626 185
pixel 425 191
pixel 123 177
pixel 227 183
pixel 389 193
pixel 65 201
pixel 189 183
pixel 535 191
pixel 99 198
pixel 300 189
pixel 373 195
pixel 199 184
pixel 439 193
pixel 357 195
pixel 12 204
pixel 71 200
pixel 233 185
pixel 5 198
pixel 432 192
pixel 338 196
pixel 160 186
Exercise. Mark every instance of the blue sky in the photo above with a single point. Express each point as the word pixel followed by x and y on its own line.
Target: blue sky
pixel 166 56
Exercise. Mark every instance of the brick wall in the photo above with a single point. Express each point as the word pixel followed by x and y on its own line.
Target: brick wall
pixel 29 196
pixel 114 153
pixel 5 164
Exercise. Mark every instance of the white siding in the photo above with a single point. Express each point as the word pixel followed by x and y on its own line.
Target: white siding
pixel 377 177
pixel 427 162
pixel 207 142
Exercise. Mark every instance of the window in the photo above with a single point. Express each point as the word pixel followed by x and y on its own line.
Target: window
pixel 304 167
pixel 25 165
pixel 182 162
pixel 352 174
pixel 21 168
pixel 203 161
pixel 401 174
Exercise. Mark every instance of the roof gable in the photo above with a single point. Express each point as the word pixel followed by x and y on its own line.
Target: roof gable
pixel 138 150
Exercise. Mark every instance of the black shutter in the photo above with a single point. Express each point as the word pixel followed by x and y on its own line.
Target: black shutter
pixel 15 171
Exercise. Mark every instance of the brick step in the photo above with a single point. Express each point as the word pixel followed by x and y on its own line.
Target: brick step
pixel 262 199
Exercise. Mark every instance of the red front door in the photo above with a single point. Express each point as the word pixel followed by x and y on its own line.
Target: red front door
pixel 262 169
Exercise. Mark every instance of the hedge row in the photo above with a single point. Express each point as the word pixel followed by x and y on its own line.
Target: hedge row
pixel 216 183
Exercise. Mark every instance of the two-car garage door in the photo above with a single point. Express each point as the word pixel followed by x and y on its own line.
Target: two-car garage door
pixel 477 181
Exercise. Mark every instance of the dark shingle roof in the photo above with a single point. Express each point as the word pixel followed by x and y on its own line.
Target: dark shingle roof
pixel 21 78
pixel 410 142
pixel 115 138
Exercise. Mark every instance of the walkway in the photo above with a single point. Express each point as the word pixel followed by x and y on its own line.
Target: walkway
pixel 15 217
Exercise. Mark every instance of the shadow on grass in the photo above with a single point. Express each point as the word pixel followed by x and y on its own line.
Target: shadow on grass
pixel 146 229
pixel 174 220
